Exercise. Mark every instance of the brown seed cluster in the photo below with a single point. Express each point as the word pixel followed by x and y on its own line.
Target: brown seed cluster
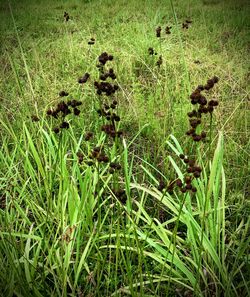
pixel 99 155
pixel 35 118
pixel 151 51
pixel 204 106
pixel 104 58
pixel 62 110
pixel 193 171
pixel 66 16
pixel 91 41
pixel 120 194
pixel 84 78
pixel 103 87
pixel 110 73
pixel 163 185
pixel 114 167
pixel 185 25
pixel 159 61
pixel 167 30
pixel 63 94
pixel 110 130
pixel 158 31
pixel 88 136
pixel 106 88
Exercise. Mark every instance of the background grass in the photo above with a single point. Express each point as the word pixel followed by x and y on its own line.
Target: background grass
pixel 60 239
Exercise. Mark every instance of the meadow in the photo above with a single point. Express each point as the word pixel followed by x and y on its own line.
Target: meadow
pixel 125 148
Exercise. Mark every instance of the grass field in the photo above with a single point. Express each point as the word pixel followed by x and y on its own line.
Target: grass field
pixel 125 148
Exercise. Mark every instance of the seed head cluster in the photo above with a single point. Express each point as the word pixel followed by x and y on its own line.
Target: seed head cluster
pixel 159 61
pixel 66 16
pixel 168 187
pixel 62 110
pixel 185 24
pixel 167 30
pixel 99 155
pixel 204 106
pixel 84 78
pixel 158 31
pixel 193 171
pixel 91 41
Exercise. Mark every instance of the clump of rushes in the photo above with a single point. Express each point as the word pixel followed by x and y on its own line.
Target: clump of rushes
pixel 158 31
pixel 204 106
pixel 91 41
pixel 62 110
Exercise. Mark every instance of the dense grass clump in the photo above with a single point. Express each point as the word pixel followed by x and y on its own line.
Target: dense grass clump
pixel 124 162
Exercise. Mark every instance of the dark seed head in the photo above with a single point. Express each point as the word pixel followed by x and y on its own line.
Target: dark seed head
pixel 196 174
pixel 197 138
pixel 194 190
pixel 190 169
pixel 183 190
pixel 88 136
pixel 203 134
pixel 56 130
pixel 64 125
pixel 210 109
pixel 200 87
pixel 150 51
pixel 111 170
pixel 197 168
pixel 162 185
pixel 97 149
pixel 188 179
pixel 63 94
pixel 49 112
pixel 215 79
pixel 158 32
pixel 202 101
pixel 34 118
pixel 191 162
pixel 76 111
pixel 117 118
pixel 179 183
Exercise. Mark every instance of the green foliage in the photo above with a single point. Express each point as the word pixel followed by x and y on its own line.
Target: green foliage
pixel 72 223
